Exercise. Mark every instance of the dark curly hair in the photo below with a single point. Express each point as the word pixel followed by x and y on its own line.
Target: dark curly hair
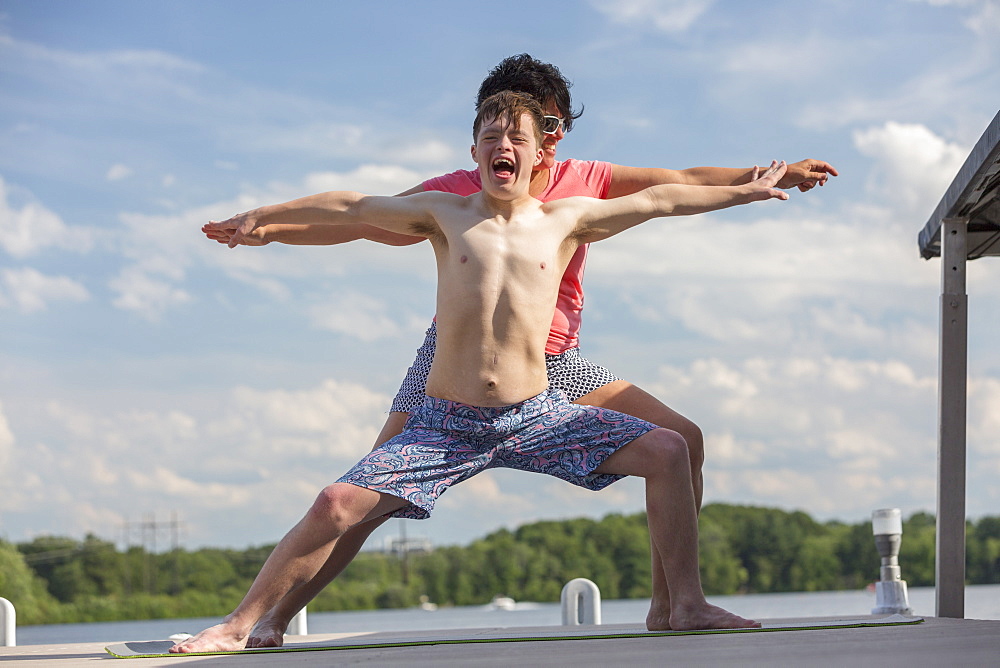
pixel 542 81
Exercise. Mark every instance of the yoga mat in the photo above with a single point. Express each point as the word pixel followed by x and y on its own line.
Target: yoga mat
pixel 159 648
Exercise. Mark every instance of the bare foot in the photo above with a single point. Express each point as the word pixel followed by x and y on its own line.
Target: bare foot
pixel 658 618
pixel 708 616
pixel 218 638
pixel 269 632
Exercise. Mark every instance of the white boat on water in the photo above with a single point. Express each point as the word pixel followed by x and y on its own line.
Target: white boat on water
pixel 500 602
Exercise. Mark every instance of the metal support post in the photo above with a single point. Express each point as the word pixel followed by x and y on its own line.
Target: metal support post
pixel 953 371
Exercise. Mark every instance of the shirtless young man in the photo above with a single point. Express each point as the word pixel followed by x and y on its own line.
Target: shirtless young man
pixel 581 380
pixel 500 256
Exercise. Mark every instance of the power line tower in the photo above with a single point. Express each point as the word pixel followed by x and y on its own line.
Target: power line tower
pixel 149 529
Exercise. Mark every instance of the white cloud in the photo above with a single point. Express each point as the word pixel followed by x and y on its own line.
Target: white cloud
pixel 28 229
pixel 913 165
pixel 804 251
pixel 984 416
pixel 6 441
pixel 357 141
pixel 91 62
pixel 986 22
pixel 984 18
pixel 369 179
pixel 669 16
pixel 30 290
pixel 161 250
pixel 118 172
pixel 848 278
pixel 335 419
pixel 126 81
pixel 145 295
pixel 356 314
pixel 222 456
pixel 794 431
pixel 731 452
pixel 427 152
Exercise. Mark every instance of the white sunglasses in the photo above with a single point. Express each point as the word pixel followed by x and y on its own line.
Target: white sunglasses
pixel 552 124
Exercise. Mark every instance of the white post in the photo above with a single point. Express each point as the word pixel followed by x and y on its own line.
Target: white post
pixel 299 626
pixel 581 603
pixel 8 624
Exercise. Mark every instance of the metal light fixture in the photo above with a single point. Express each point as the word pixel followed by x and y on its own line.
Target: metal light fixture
pixel 890 590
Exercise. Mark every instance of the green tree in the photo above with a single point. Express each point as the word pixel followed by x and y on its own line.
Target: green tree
pixel 721 570
pixel 858 556
pixel 22 587
pixel 767 541
pixel 983 557
pixel 917 550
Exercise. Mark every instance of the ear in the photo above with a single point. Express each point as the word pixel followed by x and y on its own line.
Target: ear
pixel 474 154
pixel 538 157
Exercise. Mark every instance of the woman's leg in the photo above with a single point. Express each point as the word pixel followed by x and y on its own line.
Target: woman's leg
pixel 624 397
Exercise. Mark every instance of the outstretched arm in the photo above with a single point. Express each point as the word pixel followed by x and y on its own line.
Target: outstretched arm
pixel 304 228
pixel 804 175
pixel 396 215
pixel 600 219
pixel 307 235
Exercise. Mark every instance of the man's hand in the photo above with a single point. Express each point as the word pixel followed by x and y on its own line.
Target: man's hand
pixel 223 232
pixel 807 174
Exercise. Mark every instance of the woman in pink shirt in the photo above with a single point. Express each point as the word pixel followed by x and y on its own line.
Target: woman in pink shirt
pixel 583 381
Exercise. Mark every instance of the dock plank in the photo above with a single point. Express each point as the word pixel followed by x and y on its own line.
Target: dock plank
pixel 935 642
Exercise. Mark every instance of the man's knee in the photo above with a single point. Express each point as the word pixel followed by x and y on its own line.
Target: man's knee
pixel 668 448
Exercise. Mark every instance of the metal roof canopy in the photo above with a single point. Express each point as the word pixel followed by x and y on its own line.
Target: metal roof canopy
pixel 973 194
pixel 965 225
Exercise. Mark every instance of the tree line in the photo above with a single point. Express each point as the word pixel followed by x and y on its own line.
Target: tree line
pixel 743 549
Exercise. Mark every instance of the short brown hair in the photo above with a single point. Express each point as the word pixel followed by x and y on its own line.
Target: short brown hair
pixel 510 106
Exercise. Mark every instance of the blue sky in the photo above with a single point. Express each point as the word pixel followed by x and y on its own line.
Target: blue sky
pixel 146 371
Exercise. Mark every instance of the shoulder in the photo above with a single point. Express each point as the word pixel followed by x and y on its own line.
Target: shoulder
pixel 590 178
pixel 461 182
pixel 432 201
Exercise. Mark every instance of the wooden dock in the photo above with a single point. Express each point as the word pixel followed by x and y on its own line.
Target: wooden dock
pixel 936 642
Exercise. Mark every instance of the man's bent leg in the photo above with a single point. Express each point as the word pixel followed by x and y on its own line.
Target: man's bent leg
pixel 625 397
pixel 295 560
pixel 661 457
pixel 270 630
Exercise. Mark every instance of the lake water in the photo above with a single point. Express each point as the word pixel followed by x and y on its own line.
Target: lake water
pixel 981 602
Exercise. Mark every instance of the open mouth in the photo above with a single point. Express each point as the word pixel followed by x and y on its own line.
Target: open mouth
pixel 503 168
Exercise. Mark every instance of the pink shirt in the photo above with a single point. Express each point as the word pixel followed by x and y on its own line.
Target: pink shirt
pixel 567 178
